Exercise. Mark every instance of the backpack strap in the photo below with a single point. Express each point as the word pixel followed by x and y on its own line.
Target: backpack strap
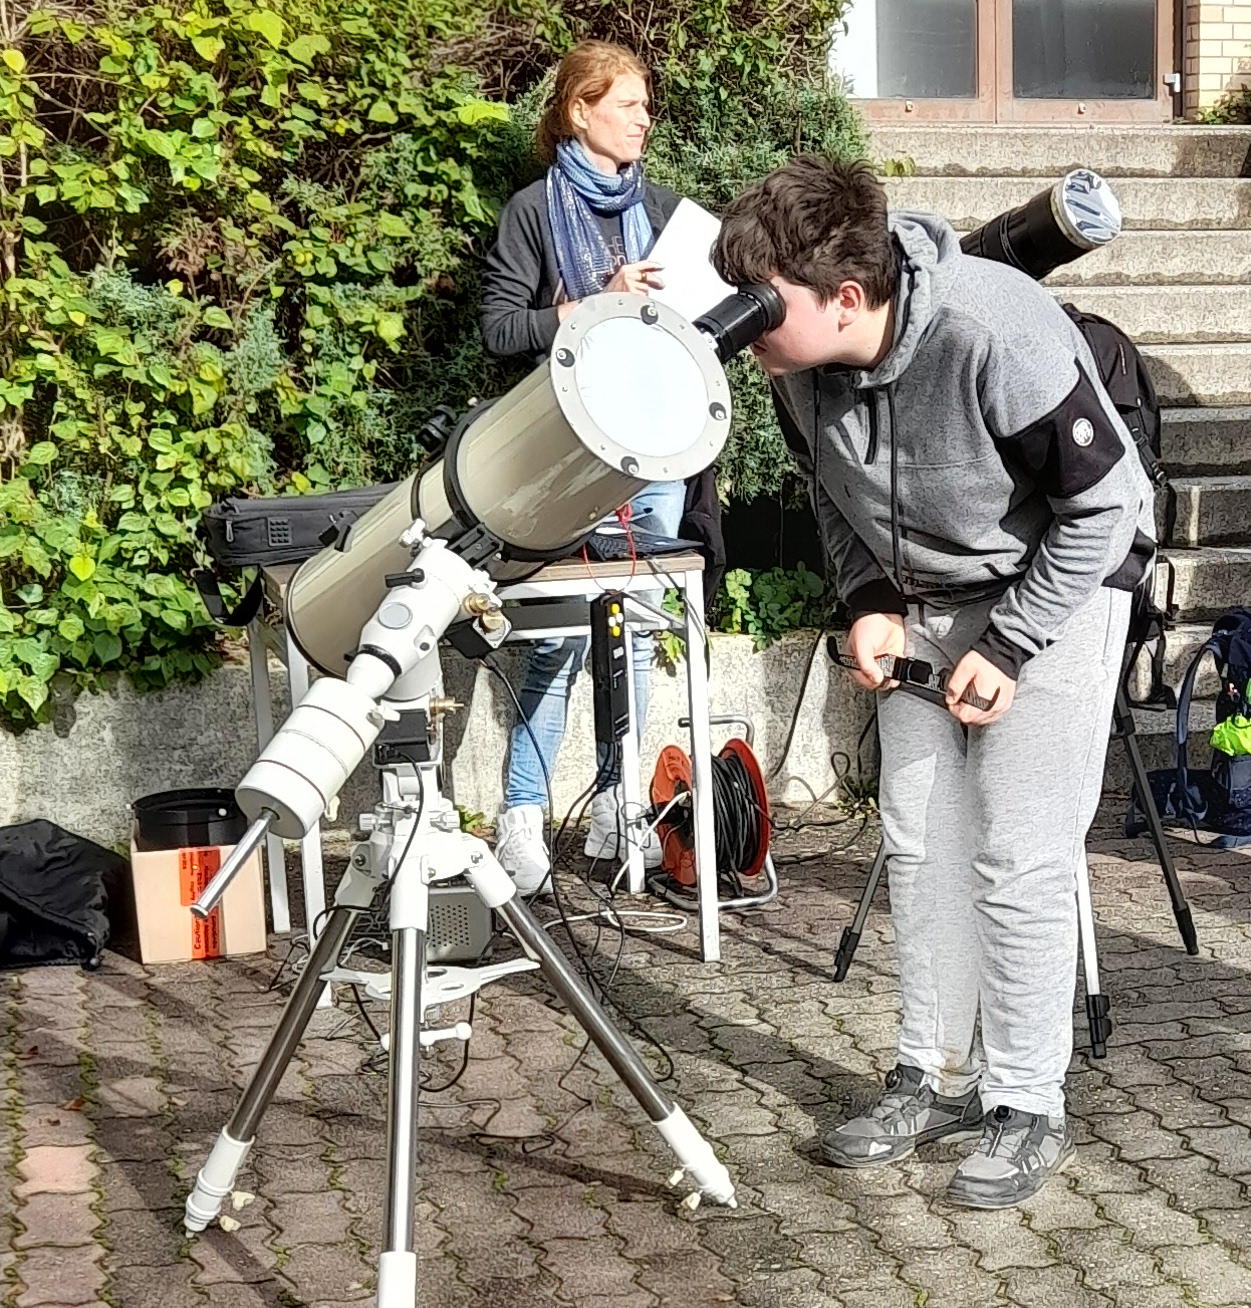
pixel 211 595
pixel 1182 734
pixel 1181 731
pixel 1149 624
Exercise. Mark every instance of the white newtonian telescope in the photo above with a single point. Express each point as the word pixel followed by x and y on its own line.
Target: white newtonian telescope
pixel 631 393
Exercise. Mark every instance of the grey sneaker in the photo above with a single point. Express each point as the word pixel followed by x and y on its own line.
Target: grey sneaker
pixel 1013 1159
pixel 907 1114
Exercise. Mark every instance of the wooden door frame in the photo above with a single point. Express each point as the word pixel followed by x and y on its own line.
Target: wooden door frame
pixel 1008 109
pixel 979 108
pixel 995 103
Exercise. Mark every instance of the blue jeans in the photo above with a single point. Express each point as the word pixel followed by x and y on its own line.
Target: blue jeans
pixel 551 667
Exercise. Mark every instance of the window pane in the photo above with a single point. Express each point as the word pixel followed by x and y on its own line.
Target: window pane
pixel 909 49
pixel 1083 49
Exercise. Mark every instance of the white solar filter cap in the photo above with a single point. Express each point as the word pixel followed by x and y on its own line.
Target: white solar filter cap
pixel 1088 212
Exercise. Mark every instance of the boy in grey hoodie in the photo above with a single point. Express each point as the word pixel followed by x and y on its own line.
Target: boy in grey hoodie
pixel 982 507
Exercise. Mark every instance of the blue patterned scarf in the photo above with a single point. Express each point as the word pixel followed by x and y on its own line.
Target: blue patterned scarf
pixel 576 192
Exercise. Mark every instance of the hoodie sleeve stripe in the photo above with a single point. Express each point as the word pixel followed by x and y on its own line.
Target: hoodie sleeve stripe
pixel 1068 450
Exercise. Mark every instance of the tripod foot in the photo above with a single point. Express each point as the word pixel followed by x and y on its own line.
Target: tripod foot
pixel 215 1182
pixel 397 1280
pixel 1186 925
pixel 1097 1010
pixel 698 1159
pixel 847 945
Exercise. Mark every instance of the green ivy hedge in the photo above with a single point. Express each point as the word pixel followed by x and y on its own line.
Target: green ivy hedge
pixel 238 253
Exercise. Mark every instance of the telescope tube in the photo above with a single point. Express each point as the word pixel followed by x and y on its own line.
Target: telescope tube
pixel 1078 214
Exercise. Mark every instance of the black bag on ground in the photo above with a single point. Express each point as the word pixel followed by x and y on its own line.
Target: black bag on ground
pixel 1216 799
pixel 54 895
pixel 259 533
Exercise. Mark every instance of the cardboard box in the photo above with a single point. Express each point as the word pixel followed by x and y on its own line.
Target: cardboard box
pixel 166 882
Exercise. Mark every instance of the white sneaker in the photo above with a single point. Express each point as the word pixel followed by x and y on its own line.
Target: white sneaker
pixel 605 838
pixel 520 847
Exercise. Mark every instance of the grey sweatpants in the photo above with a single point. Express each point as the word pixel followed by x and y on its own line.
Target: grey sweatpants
pixel 985 836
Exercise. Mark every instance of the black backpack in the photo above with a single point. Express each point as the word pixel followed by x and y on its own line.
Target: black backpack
pixel 1218 799
pixel 1124 374
pixel 1123 371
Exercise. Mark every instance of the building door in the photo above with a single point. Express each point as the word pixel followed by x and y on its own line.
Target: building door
pixel 1009 60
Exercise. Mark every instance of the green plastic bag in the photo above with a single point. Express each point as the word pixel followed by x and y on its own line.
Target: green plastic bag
pixel 1233 736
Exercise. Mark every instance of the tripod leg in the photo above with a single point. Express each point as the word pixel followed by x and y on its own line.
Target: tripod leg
pixel 693 1151
pixel 1127 731
pixel 1097 1006
pixel 850 939
pixel 397 1266
pixel 217 1177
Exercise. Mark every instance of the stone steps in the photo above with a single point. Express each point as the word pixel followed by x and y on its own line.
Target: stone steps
pixel 1209 511
pixel 1152 203
pixel 1213 376
pixel 1155 258
pixel 1151 315
pixel 1213 442
pixel 1054 150
pixel 1207 580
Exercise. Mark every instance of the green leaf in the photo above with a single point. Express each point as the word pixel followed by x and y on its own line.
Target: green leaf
pixel 304 49
pixel 381 111
pixel 390 327
pixel 33 691
pixel 473 112
pixel 390 224
pixel 159 143
pixel 36 557
pixel 42 452
pixel 71 626
pixel 107 646
pixel 267 23
pixel 15 59
pixel 216 317
pixel 208 47
pixel 83 566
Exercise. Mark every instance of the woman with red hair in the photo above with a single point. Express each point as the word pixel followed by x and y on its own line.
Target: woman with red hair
pixel 585 227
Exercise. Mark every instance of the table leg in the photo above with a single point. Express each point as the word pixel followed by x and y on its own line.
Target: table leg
pixel 311 867
pixel 263 708
pixel 701 763
pixel 635 871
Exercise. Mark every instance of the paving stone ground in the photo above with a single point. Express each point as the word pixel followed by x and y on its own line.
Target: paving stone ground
pixel 540 1182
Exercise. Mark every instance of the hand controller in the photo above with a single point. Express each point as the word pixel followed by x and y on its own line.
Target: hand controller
pixel 920 677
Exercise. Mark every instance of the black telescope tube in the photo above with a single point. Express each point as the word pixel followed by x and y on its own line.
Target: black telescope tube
pixel 1078 214
pixel 742 317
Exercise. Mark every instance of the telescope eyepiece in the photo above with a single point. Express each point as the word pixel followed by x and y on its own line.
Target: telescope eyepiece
pixel 742 318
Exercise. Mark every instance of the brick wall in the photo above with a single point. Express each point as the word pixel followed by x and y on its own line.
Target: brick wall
pixel 1218 52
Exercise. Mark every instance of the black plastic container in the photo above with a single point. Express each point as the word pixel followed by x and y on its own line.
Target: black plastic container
pixel 188 819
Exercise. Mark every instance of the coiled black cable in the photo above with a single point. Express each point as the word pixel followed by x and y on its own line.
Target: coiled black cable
pixel 737 820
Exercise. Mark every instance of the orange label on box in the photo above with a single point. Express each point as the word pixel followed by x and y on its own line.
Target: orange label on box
pixel 196 868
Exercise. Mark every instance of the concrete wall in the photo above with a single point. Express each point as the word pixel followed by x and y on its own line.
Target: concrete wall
pixel 104 751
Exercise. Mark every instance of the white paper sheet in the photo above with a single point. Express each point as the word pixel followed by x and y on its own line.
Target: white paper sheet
pixel 691 285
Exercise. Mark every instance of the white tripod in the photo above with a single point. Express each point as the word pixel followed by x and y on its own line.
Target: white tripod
pixel 414 841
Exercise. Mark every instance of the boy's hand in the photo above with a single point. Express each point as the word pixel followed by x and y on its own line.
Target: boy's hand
pixel 870 637
pixel 978 672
